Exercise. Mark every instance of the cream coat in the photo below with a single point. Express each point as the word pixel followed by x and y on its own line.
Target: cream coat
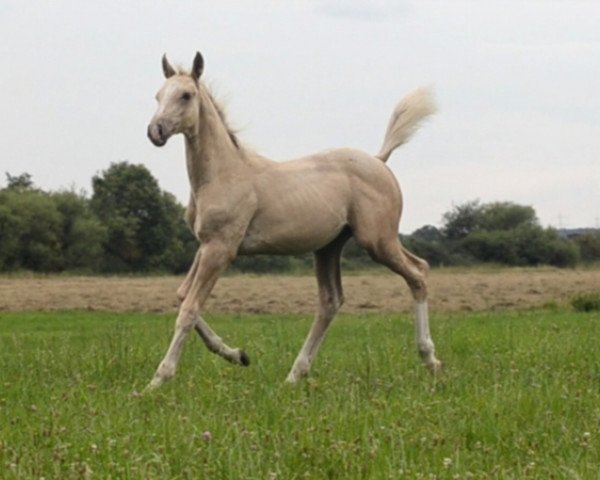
pixel 242 204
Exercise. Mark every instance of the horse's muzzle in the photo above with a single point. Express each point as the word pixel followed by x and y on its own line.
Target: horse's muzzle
pixel 157 135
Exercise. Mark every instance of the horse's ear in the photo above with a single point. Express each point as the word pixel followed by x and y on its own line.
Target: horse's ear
pixel 198 66
pixel 168 70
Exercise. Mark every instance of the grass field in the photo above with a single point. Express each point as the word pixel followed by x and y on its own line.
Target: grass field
pixel 519 398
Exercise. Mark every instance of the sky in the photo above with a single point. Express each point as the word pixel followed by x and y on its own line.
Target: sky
pixel 517 84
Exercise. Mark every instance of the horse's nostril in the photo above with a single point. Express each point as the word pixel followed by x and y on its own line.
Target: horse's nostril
pixel 156 134
pixel 155 130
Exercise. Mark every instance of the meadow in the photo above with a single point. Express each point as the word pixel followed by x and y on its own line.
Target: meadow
pixel 519 398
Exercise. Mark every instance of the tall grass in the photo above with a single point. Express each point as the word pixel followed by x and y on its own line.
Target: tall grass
pixel 519 398
pixel 586 302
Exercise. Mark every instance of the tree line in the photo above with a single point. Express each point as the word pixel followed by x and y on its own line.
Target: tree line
pixel 502 233
pixel 129 224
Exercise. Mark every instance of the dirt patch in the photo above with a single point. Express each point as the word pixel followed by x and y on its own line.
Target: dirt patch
pixel 381 292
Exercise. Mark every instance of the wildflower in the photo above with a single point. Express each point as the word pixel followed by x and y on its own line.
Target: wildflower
pixel 585 440
pixel 207 436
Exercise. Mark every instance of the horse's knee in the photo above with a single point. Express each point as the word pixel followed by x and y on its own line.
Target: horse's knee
pixel 186 319
pixel 331 307
pixel 331 303
pixel 182 291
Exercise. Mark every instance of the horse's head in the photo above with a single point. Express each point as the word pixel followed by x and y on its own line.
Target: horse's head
pixel 178 102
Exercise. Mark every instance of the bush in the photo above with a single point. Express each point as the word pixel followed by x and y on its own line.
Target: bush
pixel 589 246
pixel 586 302
pixel 435 252
pixel 31 231
pixel 523 246
pixel 261 263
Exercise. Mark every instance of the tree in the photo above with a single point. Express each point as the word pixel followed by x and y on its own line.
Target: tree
pixel 19 182
pixel 504 232
pixel 30 237
pixel 182 246
pixel 9 235
pixel 428 233
pixel 502 216
pixel 428 242
pixel 472 216
pixel 82 235
pixel 461 220
pixel 129 202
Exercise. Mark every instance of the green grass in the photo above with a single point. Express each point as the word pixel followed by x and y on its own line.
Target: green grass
pixel 519 398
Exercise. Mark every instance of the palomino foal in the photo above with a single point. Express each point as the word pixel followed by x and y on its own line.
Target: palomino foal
pixel 242 204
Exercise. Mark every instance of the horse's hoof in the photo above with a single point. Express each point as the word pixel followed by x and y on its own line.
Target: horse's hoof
pixel 151 387
pixel 435 367
pixel 244 359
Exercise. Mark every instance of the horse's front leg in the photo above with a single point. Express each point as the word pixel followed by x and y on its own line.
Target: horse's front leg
pixel 213 259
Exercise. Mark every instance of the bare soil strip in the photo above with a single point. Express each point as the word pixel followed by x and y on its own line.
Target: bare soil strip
pixel 450 291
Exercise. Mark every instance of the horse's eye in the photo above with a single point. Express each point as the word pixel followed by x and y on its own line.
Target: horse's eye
pixel 186 96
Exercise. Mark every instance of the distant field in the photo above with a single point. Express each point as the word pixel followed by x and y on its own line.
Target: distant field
pixel 519 398
pixel 450 291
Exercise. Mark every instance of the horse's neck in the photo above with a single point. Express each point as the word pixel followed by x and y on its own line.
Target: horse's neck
pixel 210 152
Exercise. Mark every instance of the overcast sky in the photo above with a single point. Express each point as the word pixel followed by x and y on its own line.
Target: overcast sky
pixel 517 83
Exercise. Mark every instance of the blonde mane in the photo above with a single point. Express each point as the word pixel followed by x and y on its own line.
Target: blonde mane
pixel 223 116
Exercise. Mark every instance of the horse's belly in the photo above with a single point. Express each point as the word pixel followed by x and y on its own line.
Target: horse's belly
pixel 292 235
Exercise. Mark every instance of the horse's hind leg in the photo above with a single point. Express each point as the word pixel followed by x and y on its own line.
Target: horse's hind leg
pixel 184 288
pixel 414 270
pixel 327 265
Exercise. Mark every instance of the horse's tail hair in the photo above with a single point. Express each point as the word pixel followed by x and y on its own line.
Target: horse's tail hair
pixel 406 120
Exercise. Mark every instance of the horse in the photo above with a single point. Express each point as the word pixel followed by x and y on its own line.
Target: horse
pixel 242 203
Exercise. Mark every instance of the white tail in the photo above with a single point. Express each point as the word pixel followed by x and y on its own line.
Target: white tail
pixel 406 119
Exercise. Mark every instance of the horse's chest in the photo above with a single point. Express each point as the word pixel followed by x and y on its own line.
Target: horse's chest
pixel 223 213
